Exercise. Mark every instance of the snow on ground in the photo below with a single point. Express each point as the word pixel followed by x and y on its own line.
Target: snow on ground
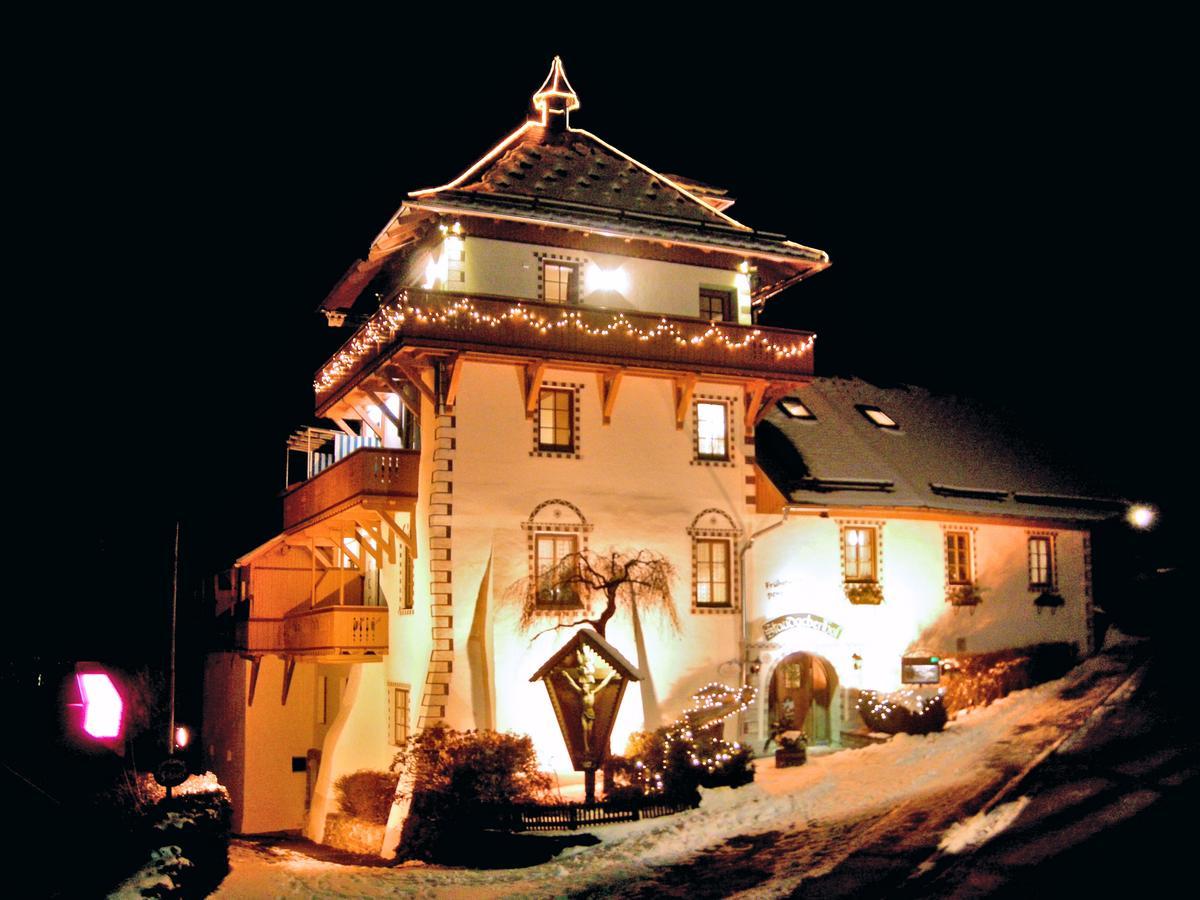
pixel 832 801
pixel 982 827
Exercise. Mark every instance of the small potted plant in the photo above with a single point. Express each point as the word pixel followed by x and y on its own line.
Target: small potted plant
pixel 1048 600
pixel 864 593
pixel 791 749
pixel 969 595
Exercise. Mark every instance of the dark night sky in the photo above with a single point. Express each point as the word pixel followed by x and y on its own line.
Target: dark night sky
pixel 998 203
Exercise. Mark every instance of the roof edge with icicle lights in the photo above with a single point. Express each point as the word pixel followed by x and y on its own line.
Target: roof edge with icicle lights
pixel 549 173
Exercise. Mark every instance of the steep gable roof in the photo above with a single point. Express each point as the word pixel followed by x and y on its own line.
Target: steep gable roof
pixel 947 454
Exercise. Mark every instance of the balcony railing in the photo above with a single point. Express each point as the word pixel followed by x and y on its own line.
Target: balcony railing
pixel 582 333
pixel 370 472
pixel 327 632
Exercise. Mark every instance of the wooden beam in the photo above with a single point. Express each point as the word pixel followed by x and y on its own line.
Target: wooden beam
pixel 407 396
pixel 255 661
pixel 366 419
pixel 531 376
pixel 364 538
pixel 289 669
pixel 684 388
pixel 753 396
pixel 392 417
pixel 412 375
pixel 341 423
pixel 405 538
pixel 610 383
pixel 456 367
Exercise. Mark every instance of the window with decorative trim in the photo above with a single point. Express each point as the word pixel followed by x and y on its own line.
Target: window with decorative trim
pixel 556 420
pixel 555 529
pixel 958 558
pixel 716 576
pixel 560 281
pixel 399 696
pixel 713 430
pixel 1042 569
pixel 404 579
pixel 860 558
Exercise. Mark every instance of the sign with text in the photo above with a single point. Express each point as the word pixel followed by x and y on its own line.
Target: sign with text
pixel 920 669
pixel 773 627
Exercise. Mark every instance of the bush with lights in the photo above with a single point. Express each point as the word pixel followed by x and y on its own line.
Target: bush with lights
pixel 902 712
pixel 690 753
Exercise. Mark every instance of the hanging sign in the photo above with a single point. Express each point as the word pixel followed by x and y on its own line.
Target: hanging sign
pixel 773 627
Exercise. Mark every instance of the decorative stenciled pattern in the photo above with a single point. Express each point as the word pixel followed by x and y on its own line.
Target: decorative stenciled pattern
pixel 392 316
pixel 715 535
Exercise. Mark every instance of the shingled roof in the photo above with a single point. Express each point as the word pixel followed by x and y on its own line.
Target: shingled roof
pixel 946 453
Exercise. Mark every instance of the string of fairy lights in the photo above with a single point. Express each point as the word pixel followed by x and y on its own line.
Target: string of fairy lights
pixel 727 702
pixel 393 316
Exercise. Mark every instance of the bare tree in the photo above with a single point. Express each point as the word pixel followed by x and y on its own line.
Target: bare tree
pixel 644 578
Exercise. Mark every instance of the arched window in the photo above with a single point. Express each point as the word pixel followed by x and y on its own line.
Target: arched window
pixel 716 563
pixel 557 530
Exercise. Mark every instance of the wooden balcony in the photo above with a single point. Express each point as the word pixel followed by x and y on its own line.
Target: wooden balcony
pixel 369 476
pixel 327 634
pixel 513 326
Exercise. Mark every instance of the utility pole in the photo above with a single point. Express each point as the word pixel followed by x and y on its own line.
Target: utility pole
pixel 171 695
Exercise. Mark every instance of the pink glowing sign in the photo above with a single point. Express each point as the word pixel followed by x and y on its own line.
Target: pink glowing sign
pixel 102 704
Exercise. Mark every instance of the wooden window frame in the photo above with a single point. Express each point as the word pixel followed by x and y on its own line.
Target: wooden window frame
pixel 716 526
pixel 725 295
pixel 873 578
pixel 554 393
pixel 965 563
pixel 727 429
pixel 576 272
pixel 575 601
pixel 395 721
pixel 712 583
pixel 1051 562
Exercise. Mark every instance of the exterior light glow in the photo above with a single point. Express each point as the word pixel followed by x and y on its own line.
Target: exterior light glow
pixel 182 737
pixel 102 705
pixel 1141 516
pixel 606 279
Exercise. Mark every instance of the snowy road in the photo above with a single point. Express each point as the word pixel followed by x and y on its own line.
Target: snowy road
pixel 842 822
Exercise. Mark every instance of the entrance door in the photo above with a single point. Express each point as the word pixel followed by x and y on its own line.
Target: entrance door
pixel 802 689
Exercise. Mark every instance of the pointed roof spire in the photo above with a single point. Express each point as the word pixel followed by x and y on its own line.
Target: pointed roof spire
pixel 555 96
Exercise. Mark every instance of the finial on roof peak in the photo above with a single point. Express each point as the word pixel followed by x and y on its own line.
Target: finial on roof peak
pixel 555 98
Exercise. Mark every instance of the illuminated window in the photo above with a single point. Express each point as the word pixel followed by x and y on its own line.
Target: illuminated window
pixel 858 546
pixel 712 572
pixel 560 282
pixel 878 417
pixel 795 409
pixel 1041 562
pixel 712 430
pixel 958 557
pixel 398 713
pixel 716 305
pixel 550 551
pixel 556 420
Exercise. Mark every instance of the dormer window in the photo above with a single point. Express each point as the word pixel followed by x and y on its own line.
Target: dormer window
pixel 878 417
pixel 560 282
pixel 795 409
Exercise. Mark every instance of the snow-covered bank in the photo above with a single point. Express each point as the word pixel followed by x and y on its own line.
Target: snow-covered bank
pixel 823 800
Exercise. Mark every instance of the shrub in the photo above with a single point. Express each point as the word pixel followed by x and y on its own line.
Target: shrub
pixel 982 678
pixel 453 775
pixel 366 795
pixel 673 762
pixel 902 712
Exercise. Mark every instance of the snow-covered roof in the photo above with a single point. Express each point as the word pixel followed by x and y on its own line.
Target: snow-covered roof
pixel 947 453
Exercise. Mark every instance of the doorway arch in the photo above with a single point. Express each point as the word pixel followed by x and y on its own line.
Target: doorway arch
pixel 804 685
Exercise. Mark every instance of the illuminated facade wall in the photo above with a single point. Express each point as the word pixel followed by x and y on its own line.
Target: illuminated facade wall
pixel 512 269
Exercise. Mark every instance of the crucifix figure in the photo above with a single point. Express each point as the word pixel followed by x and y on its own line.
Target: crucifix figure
pixel 588 688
